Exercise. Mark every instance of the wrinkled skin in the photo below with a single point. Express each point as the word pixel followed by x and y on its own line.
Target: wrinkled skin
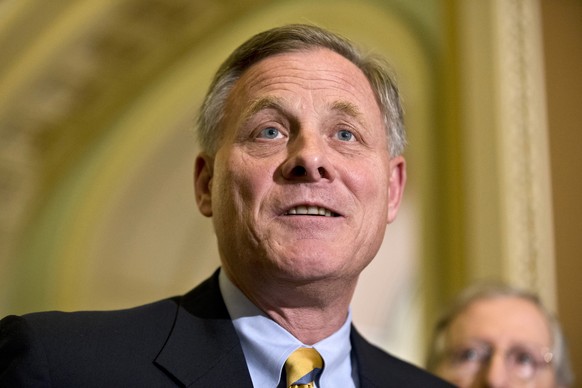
pixel 501 323
pixel 302 129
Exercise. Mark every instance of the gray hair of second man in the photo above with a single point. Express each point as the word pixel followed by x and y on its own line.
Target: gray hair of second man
pixel 494 290
pixel 295 38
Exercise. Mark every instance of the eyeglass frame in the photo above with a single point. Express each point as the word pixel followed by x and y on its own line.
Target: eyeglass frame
pixel 541 356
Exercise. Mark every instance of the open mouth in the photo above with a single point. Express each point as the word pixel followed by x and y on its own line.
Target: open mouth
pixel 311 211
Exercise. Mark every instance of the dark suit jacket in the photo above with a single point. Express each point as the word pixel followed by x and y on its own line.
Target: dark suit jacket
pixel 182 341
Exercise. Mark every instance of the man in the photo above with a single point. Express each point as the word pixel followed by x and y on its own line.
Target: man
pixel 301 171
pixel 498 336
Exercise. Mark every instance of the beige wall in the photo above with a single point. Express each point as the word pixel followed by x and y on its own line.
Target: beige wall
pixel 562 23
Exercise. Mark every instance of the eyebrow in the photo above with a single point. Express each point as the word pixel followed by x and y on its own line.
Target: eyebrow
pixel 348 109
pixel 263 103
pixel 278 104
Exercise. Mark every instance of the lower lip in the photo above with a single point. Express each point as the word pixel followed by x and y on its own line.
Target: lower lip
pixel 301 227
pixel 308 218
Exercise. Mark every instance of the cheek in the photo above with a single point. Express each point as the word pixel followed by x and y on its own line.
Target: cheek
pixel 547 378
pixel 370 187
pixel 244 184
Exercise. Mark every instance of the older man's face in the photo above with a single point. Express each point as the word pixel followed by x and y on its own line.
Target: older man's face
pixel 303 185
pixel 499 342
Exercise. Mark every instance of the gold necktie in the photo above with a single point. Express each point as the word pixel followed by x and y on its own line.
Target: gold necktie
pixel 302 367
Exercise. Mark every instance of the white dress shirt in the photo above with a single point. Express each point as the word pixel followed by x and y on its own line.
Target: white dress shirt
pixel 266 345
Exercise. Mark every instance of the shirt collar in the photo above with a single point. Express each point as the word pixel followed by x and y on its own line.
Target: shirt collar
pixel 266 345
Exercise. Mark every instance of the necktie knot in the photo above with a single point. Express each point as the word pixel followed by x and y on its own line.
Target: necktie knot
pixel 302 367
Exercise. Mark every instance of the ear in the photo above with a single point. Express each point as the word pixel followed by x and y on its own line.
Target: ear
pixel 396 186
pixel 203 172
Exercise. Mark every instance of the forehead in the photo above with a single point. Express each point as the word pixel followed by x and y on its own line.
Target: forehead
pixel 502 321
pixel 316 74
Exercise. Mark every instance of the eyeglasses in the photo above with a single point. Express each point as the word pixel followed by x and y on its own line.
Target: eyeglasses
pixel 522 360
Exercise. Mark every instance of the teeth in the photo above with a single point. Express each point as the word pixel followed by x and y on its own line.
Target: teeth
pixel 310 210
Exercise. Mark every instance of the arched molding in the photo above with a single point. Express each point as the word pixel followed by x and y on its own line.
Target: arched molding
pixel 119 229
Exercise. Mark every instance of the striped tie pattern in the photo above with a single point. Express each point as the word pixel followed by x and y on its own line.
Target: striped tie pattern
pixel 302 367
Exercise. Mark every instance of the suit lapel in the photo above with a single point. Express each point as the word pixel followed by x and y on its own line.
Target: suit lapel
pixel 203 347
pixel 373 368
pixel 379 369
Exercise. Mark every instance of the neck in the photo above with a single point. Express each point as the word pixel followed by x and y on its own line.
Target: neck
pixel 310 311
pixel 309 324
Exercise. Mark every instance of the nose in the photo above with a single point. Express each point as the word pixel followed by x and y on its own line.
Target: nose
pixel 495 373
pixel 308 160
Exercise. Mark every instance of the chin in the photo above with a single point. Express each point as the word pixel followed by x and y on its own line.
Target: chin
pixel 314 267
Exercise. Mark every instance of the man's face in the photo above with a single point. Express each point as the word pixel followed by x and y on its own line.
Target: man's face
pixel 302 186
pixel 499 342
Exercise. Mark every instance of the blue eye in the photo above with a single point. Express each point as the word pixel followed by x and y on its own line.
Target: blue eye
pixel 269 133
pixel 470 355
pixel 345 135
pixel 521 357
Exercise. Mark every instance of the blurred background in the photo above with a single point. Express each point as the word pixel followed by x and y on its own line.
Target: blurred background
pixel 97 101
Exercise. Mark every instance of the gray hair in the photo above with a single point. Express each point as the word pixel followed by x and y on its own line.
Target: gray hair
pixel 484 291
pixel 293 38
